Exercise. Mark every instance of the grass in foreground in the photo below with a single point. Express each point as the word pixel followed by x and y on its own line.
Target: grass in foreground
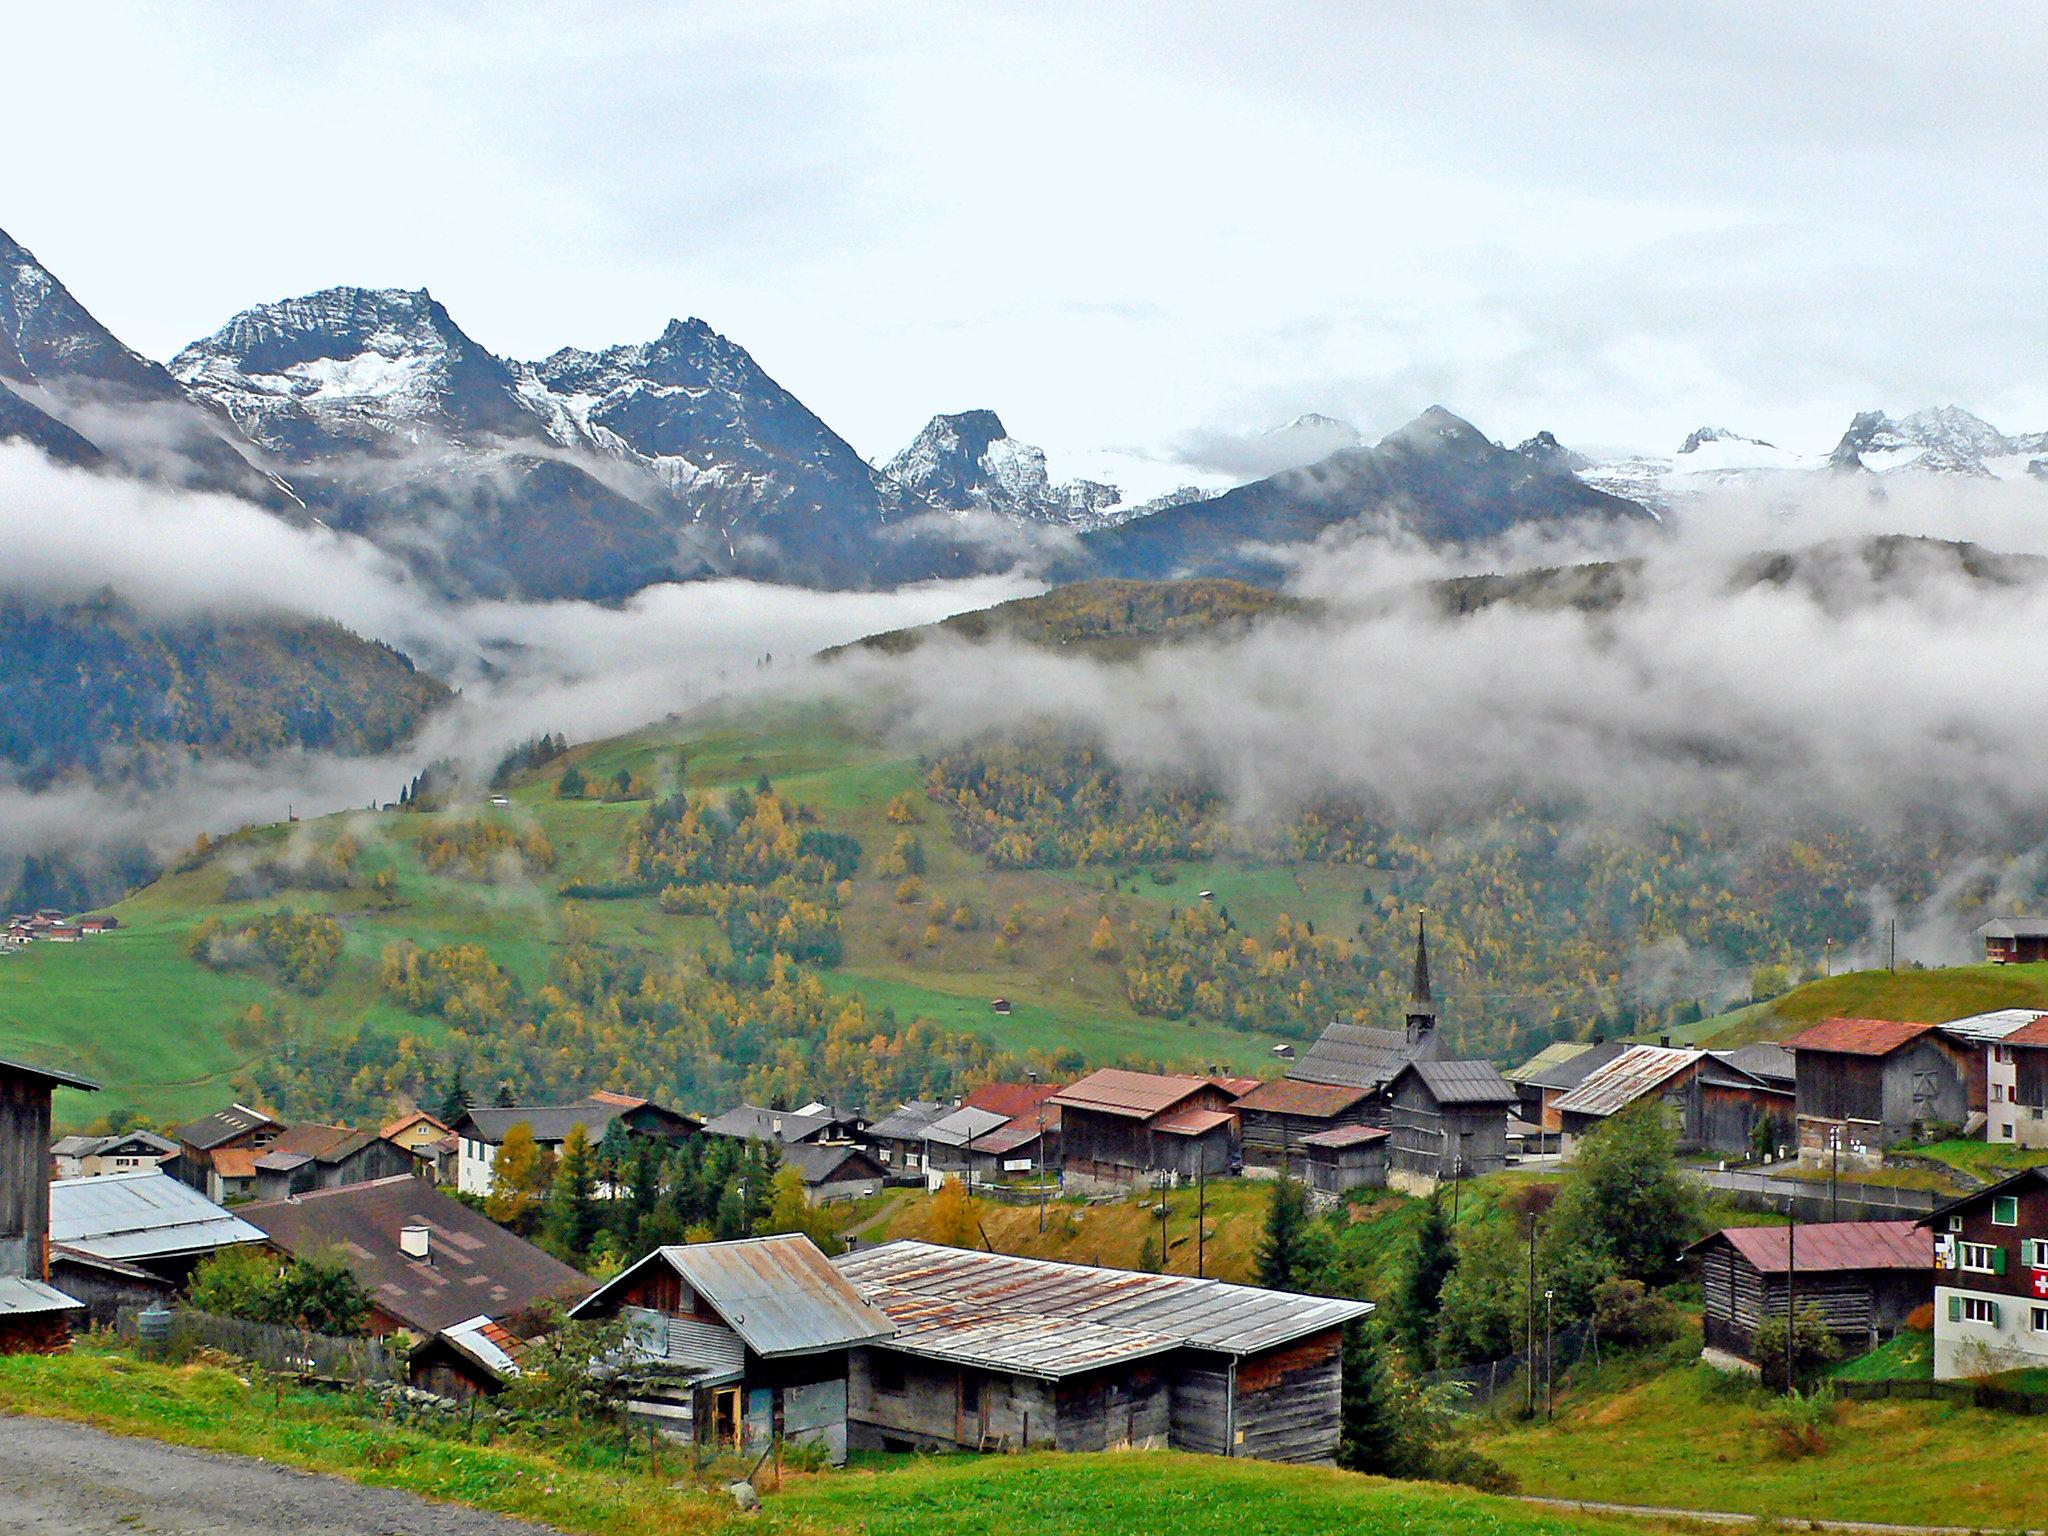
pixel 1688 1439
pixel 597 1489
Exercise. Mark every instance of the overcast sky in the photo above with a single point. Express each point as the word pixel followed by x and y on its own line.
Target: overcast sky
pixel 1122 226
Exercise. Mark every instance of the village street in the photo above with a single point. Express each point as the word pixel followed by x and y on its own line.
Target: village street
pixel 65 1478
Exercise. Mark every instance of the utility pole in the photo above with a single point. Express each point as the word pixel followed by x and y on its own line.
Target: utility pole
pixel 1791 1284
pixel 1201 1221
pixel 1549 1358
pixel 1834 1173
pixel 1041 1170
pixel 1162 1223
pixel 1529 1318
pixel 1893 945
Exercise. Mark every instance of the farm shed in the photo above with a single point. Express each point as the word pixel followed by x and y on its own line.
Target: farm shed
pixel 1862 1277
pixel 1448 1119
pixel 34 1315
pixel 736 1343
pixel 147 1219
pixel 995 1351
pixel 105 1286
pixel 1335 1162
pixel 1277 1117
pixel 1123 1127
pixel 835 1171
pixel 2015 940
pixel 309 1156
pixel 1874 1082
pixel 1715 1105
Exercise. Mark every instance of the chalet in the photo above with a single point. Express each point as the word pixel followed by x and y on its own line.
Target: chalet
pixel 1448 1119
pixel 2027 1047
pixel 1122 1127
pixel 783 1127
pixel 106 1286
pixel 897 1139
pixel 1865 1084
pixel 1993 1070
pixel 480 1131
pixel 1715 1105
pixel 428 1262
pixel 949 1142
pixel 990 1351
pixel 1863 1278
pixel 420 1134
pixel 86 1157
pixel 146 1219
pixel 835 1171
pixel 1348 1157
pixel 95 925
pixel 35 1316
pixel 309 1156
pixel 217 1155
pixel 1554 1072
pixel 2015 940
pixel 1277 1117
pixel 736 1344
pixel 1991 1278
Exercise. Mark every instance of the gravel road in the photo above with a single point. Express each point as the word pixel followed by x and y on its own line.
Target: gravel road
pixel 64 1478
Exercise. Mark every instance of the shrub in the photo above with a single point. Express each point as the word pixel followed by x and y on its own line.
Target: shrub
pixel 1798 1426
pixel 1813 1348
pixel 1630 1314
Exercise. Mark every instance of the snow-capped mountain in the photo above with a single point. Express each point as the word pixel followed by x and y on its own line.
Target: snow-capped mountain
pixel 1948 440
pixel 69 386
pixel 1710 458
pixel 967 461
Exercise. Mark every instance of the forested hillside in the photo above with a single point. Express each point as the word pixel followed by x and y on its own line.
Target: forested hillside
pixel 96 688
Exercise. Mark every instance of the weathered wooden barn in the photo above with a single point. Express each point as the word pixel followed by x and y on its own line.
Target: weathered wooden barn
pixel 991 1351
pixel 105 1286
pixel 898 1139
pixel 1347 1157
pixel 1861 1277
pixel 34 1315
pixel 738 1343
pixel 1554 1072
pixel 148 1219
pixel 2015 940
pixel 311 1156
pixel 1870 1083
pixel 1123 1127
pixel 217 1155
pixel 1714 1105
pixel 1448 1119
pixel 1276 1118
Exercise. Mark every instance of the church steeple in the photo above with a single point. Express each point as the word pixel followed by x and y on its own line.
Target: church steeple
pixel 1421 1007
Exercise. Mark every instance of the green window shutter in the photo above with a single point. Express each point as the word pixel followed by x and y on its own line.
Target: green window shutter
pixel 1955 1309
pixel 1998 1260
pixel 1996 1318
pixel 2005 1210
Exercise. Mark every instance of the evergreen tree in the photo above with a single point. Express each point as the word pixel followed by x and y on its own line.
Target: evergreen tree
pixel 1284 1256
pixel 643 1194
pixel 1371 1438
pixel 1431 1260
pixel 572 1222
pixel 456 1100
pixel 572 786
pixel 1627 1210
pixel 506 1098
pixel 614 1155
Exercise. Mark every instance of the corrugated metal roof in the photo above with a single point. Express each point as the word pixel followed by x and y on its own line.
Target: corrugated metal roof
pixel 1236 1087
pixel 780 1294
pixel 1018 1133
pixel 1772 1063
pixel 48 1075
pixel 1556 1054
pixel 1207 1314
pixel 142 1215
pixel 1117 1091
pixel 1464 1082
pixel 1831 1246
pixel 1345 1136
pixel 1193 1122
pixel 1990 1028
pixel 1358 1054
pixel 962 1125
pixel 907 1122
pixel 22 1297
pixel 1285 1096
pixel 488 1343
pixel 222 1125
pixel 1857 1037
pixel 2014 928
pixel 1016 1343
pixel 1639 1070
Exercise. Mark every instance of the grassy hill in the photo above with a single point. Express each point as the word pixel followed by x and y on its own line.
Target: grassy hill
pixel 1914 997
pixel 1107 618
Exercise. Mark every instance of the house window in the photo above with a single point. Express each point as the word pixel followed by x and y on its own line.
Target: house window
pixel 1976 1309
pixel 885 1372
pixel 2005 1210
pixel 2034 1252
pixel 2038 1317
pixel 1983 1258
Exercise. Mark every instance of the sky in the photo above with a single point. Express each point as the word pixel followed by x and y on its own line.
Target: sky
pixel 1134 230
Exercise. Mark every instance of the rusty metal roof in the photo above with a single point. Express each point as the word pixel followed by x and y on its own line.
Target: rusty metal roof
pixel 1018 1133
pixel 1857 1037
pixel 1017 1343
pixel 1345 1136
pixel 1116 1091
pixel 780 1294
pixel 1193 1122
pixel 2035 1033
pixel 1286 1096
pixel 1830 1246
pixel 1201 1314
pixel 1640 1070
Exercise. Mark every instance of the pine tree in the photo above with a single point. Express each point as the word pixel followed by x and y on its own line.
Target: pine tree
pixel 572 1205
pixel 1284 1251
pixel 1430 1262
pixel 455 1102
pixel 1370 1438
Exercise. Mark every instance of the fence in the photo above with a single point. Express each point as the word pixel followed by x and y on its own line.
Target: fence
pixel 282 1351
pixel 1972 1394
pixel 1813 1200
pixel 1483 1382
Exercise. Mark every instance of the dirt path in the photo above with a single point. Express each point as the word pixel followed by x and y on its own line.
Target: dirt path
pixel 1723 1517
pixel 64 1478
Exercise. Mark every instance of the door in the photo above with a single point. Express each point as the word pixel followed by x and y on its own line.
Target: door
pixel 725 1417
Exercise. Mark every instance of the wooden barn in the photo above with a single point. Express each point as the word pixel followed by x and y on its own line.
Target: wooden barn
pixel 1862 1277
pixel 1124 1127
pixel 217 1155
pixel 2015 940
pixel 311 1156
pixel 1715 1105
pixel 1276 1118
pixel 995 1352
pixel 897 1139
pixel 1448 1119
pixel 34 1315
pixel 1870 1083
pixel 1347 1157
pixel 738 1343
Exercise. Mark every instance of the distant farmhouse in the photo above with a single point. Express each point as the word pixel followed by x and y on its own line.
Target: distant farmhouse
pixel 2015 940
pixel 481 1131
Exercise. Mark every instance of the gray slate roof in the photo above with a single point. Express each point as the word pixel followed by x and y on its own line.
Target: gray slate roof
pixel 1568 1074
pixel 549 1123
pixel 1464 1082
pixel 222 1126
pixel 49 1075
pixel 962 1125
pixel 1771 1064
pixel 820 1163
pixel 908 1121
pixel 1356 1055
pixel 750 1122
pixel 142 1215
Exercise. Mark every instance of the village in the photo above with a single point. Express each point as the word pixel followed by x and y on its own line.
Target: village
pixel 49 925
pixel 770 1319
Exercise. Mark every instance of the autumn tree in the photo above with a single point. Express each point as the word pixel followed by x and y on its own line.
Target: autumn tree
pixel 519 1177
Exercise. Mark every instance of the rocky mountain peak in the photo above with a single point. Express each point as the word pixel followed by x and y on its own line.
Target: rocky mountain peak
pixel 966 460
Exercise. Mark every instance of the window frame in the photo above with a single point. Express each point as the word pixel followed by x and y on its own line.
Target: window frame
pixel 1989 1307
pixel 2037 1318
pixel 2009 1204
pixel 1966 1252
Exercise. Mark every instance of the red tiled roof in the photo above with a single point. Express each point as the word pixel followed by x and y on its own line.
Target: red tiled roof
pixel 1833 1246
pixel 1011 1099
pixel 1192 1122
pixel 1117 1091
pixel 1285 1096
pixel 1857 1037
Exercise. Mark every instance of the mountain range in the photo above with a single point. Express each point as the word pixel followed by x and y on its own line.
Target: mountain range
pixel 596 473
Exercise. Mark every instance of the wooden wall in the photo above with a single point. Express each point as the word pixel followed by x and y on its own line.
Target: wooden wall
pixel 1290 1401
pixel 24 1174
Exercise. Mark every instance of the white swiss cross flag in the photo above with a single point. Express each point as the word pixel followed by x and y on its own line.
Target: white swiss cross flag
pixel 2041 1283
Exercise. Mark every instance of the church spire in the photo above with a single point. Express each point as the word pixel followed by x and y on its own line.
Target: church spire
pixel 1421 1007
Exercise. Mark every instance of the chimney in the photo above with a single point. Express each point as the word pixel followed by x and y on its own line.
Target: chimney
pixel 416 1243
pixel 775 1126
pixel 1665 1041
